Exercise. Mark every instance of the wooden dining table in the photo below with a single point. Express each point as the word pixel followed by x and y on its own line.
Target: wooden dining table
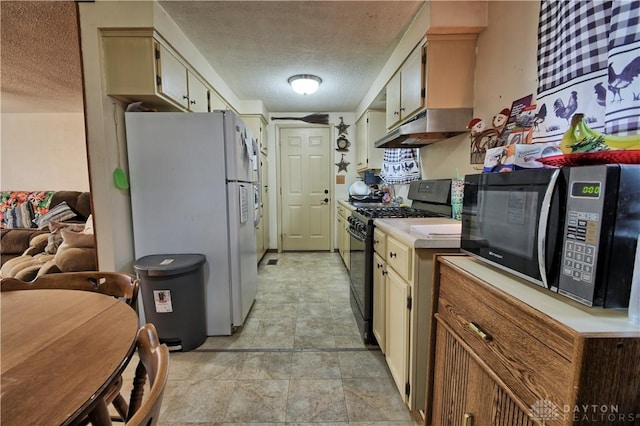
pixel 60 349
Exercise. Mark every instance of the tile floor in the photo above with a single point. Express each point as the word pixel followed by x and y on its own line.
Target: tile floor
pixel 298 360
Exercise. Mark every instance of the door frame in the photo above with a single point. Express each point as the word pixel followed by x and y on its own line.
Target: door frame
pixel 329 153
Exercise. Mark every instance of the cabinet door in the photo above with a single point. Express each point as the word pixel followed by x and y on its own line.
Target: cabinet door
pixel 397 335
pixel 376 129
pixel 347 243
pixel 198 94
pixel 464 394
pixel 173 77
pixel 361 143
pixel 379 301
pixel 340 237
pixel 393 100
pixel 411 84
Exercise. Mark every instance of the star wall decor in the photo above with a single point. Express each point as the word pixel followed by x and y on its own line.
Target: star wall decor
pixel 342 165
pixel 342 128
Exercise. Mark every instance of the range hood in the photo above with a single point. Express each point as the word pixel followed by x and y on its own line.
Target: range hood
pixel 429 126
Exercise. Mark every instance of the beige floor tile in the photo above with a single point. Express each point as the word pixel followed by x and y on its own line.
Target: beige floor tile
pixel 316 401
pixel 258 401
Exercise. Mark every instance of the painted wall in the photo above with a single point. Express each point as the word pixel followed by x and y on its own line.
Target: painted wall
pixel 43 151
pixel 505 71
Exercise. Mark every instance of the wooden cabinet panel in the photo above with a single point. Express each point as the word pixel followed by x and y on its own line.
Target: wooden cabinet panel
pixel 400 258
pixel 531 356
pixel 526 356
pixel 465 393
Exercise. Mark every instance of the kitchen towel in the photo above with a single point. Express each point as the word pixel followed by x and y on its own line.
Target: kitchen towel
pixel 588 63
pixel 400 165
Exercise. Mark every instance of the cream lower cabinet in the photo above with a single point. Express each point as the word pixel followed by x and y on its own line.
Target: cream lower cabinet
pixel 402 302
pixel 379 301
pixel 379 325
pixel 506 354
pixel 343 237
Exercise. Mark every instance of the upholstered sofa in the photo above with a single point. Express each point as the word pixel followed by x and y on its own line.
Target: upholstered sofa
pixel 32 227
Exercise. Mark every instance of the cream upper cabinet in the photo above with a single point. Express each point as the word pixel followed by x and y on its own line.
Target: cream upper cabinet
pixel 171 76
pixel 198 94
pixel 140 66
pixel 369 128
pixel 405 94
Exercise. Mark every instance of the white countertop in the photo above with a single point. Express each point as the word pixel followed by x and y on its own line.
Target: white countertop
pixel 400 229
pixel 581 318
pixel 347 204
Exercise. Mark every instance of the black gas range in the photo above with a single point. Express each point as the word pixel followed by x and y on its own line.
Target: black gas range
pixel 430 198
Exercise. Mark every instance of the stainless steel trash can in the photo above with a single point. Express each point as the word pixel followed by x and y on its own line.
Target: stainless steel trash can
pixel 172 287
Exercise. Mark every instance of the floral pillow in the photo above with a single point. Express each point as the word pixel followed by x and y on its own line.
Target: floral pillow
pixel 40 200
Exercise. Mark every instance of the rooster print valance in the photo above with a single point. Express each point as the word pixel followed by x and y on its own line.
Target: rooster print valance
pixel 400 165
pixel 589 63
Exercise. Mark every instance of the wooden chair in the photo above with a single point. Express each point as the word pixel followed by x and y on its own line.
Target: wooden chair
pixel 120 285
pixel 154 364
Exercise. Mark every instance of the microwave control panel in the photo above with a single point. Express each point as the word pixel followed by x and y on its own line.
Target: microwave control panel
pixel 581 238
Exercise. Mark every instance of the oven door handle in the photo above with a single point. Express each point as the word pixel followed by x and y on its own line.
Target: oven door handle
pixel 356 236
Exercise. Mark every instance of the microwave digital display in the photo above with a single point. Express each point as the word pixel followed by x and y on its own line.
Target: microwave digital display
pixel 585 189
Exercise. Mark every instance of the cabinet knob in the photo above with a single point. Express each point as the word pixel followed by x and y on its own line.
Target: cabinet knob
pixel 392 254
pixel 185 97
pixel 193 102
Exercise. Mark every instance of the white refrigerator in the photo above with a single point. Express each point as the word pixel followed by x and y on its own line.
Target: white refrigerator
pixel 192 178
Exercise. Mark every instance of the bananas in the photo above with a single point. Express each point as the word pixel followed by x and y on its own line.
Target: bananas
pixel 580 138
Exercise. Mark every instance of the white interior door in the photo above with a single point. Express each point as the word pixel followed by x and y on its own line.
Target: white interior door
pixel 305 161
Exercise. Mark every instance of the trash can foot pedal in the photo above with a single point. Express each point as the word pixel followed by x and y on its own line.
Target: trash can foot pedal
pixel 173 344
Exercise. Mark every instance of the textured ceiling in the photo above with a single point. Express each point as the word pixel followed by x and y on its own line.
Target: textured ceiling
pixel 255 46
pixel 40 57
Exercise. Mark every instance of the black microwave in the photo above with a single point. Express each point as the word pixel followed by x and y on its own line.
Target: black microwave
pixel 572 230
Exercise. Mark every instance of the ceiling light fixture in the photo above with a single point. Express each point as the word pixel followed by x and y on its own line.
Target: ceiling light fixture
pixel 305 84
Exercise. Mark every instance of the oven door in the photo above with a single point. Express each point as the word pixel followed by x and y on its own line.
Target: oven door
pixel 359 277
pixel 512 220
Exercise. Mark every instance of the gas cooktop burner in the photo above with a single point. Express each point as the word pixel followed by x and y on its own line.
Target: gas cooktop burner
pixel 394 212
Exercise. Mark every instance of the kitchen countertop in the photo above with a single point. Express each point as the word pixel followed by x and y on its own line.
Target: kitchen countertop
pixel 347 204
pixel 400 229
pixel 579 317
